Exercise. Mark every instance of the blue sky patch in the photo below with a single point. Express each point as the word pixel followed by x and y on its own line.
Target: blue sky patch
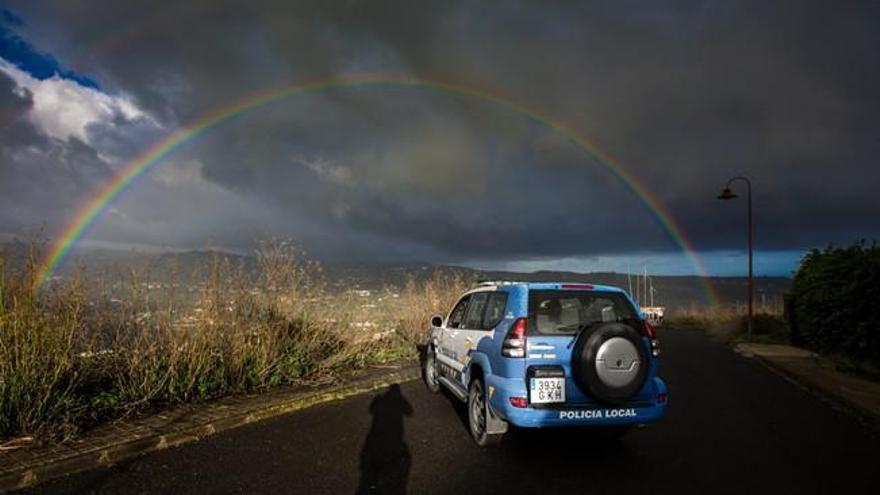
pixel 19 52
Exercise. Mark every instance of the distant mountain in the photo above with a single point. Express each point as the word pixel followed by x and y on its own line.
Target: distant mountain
pixel 672 291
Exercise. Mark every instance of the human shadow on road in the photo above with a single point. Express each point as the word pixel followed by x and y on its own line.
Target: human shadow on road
pixel 385 457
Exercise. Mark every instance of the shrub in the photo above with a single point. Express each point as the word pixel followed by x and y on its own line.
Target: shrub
pixel 836 296
pixel 412 310
pixel 76 354
pixel 38 378
pixel 706 316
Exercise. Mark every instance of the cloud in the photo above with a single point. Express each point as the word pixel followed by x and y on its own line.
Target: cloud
pixel 328 170
pixel 683 95
pixel 46 175
pixel 62 108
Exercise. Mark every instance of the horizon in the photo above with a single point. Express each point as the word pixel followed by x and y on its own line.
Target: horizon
pixel 575 266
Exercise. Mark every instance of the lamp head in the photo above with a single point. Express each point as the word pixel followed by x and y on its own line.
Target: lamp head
pixel 727 194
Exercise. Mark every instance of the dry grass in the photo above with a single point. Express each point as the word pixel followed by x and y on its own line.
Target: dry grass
pixel 417 303
pixel 703 315
pixel 78 354
pixel 729 322
pixel 38 375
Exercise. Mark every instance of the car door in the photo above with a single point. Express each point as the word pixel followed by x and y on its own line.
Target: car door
pixel 555 317
pixel 446 355
pixel 470 332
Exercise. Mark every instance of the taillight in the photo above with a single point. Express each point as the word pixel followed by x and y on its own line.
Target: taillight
pixel 514 344
pixel 519 402
pixel 652 339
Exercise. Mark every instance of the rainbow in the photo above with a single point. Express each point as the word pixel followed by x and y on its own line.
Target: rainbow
pixel 89 212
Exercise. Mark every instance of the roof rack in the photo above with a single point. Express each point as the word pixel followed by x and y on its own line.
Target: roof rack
pixel 492 283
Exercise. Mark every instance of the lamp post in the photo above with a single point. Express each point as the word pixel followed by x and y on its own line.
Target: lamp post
pixel 728 194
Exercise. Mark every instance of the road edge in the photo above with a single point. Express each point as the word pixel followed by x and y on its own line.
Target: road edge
pixel 828 395
pixel 110 454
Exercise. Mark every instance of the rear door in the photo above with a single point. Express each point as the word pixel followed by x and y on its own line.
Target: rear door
pixel 555 318
pixel 447 356
pixel 470 331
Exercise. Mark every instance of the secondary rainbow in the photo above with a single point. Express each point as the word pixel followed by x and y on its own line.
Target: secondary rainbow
pixel 90 211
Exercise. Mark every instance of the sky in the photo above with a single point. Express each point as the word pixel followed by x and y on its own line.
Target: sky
pixel 680 95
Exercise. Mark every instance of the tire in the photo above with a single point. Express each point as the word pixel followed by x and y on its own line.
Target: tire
pixel 586 371
pixel 429 371
pixel 477 415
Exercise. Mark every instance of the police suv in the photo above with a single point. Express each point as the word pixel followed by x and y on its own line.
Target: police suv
pixel 545 355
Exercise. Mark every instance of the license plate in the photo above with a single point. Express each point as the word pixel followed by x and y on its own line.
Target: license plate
pixel 547 390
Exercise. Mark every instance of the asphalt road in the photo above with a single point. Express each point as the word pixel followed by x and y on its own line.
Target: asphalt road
pixel 732 427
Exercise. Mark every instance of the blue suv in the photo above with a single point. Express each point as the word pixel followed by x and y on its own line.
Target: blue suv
pixel 546 354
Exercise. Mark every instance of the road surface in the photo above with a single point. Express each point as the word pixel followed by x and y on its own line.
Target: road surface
pixel 732 427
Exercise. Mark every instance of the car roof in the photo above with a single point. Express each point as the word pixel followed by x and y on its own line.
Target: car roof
pixel 490 285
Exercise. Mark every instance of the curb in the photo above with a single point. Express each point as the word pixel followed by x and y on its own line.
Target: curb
pixel 830 397
pixel 109 455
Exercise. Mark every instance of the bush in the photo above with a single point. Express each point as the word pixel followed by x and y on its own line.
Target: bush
pixel 703 316
pixel 418 302
pixel 730 322
pixel 76 354
pixel 38 378
pixel 836 297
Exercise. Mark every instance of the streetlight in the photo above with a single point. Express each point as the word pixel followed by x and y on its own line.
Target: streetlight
pixel 728 194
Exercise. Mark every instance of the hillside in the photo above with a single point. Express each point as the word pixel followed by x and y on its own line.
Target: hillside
pixel 672 291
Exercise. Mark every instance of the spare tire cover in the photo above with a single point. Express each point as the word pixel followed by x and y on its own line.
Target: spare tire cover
pixel 610 362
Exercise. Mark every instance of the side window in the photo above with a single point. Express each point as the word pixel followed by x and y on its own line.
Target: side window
pixel 457 314
pixel 495 310
pixel 474 318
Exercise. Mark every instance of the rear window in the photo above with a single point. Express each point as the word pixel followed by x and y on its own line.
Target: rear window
pixel 564 312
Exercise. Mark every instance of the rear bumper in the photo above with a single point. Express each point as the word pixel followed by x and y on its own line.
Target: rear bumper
pixel 641 411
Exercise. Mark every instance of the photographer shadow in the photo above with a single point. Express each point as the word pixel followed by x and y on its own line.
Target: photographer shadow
pixel 385 459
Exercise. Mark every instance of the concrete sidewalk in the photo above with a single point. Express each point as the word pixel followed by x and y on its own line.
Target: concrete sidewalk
pixel 820 376
pixel 23 465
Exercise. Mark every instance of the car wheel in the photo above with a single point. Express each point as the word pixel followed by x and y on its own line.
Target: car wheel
pixel 610 362
pixel 429 371
pixel 478 411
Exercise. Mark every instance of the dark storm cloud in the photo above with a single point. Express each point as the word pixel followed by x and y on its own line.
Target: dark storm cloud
pixel 40 178
pixel 12 105
pixel 684 94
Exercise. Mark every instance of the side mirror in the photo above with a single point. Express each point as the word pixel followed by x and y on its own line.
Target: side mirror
pixel 436 321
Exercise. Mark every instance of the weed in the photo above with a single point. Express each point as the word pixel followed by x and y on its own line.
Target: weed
pixel 82 351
